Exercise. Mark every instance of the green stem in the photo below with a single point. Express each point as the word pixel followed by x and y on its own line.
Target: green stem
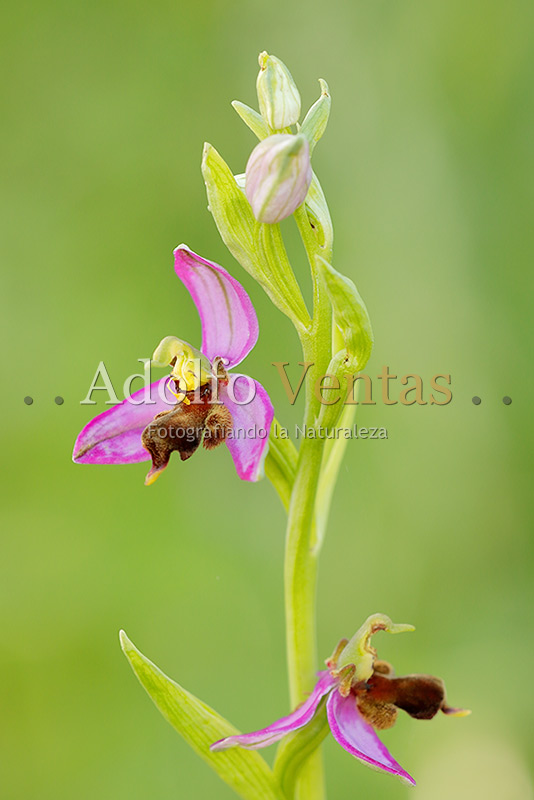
pixel 296 749
pixel 300 573
pixel 300 579
pixel 333 456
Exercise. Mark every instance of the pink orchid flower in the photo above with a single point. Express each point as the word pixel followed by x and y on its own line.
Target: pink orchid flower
pixel 361 694
pixel 210 405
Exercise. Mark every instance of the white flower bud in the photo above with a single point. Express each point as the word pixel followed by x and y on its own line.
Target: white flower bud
pixel 278 176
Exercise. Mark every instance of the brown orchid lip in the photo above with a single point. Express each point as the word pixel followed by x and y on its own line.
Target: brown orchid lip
pixel 196 419
pixel 382 694
pixel 420 696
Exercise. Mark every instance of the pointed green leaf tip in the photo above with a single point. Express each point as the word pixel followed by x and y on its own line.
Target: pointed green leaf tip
pixel 255 121
pixel 316 119
pixel 244 770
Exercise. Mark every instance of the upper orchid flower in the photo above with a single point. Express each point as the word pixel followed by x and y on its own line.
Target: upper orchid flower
pixel 209 404
pixel 361 694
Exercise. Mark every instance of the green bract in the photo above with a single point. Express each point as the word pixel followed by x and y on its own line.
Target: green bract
pixel 350 315
pixel 255 121
pixel 245 771
pixel 319 216
pixel 259 251
pixel 316 120
pixel 281 464
pixel 334 390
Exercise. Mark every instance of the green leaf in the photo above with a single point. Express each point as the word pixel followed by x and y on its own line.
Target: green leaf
pixel 244 770
pixel 350 315
pixel 281 275
pixel 230 209
pixel 258 248
pixel 281 464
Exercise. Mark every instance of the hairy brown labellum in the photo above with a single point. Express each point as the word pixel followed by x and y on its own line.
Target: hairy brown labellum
pixel 421 696
pixel 184 427
pixel 217 425
pixel 379 714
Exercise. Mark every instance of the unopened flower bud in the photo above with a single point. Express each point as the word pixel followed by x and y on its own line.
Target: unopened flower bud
pixel 278 95
pixel 278 176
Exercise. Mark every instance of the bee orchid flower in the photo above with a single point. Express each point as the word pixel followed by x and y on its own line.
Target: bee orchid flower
pixel 361 694
pixel 200 401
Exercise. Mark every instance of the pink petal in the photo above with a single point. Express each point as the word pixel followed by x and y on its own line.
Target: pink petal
pixel 252 420
pixel 300 717
pixel 229 322
pixel 114 437
pixel 353 733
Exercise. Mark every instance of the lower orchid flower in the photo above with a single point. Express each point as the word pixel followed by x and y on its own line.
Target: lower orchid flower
pixel 200 401
pixel 361 693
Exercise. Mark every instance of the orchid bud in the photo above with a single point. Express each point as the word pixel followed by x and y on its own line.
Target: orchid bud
pixel 278 176
pixel 278 95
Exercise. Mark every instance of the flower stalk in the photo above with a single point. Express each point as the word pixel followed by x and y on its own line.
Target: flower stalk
pixel 301 553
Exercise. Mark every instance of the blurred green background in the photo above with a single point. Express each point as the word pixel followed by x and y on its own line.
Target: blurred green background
pixel 428 167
